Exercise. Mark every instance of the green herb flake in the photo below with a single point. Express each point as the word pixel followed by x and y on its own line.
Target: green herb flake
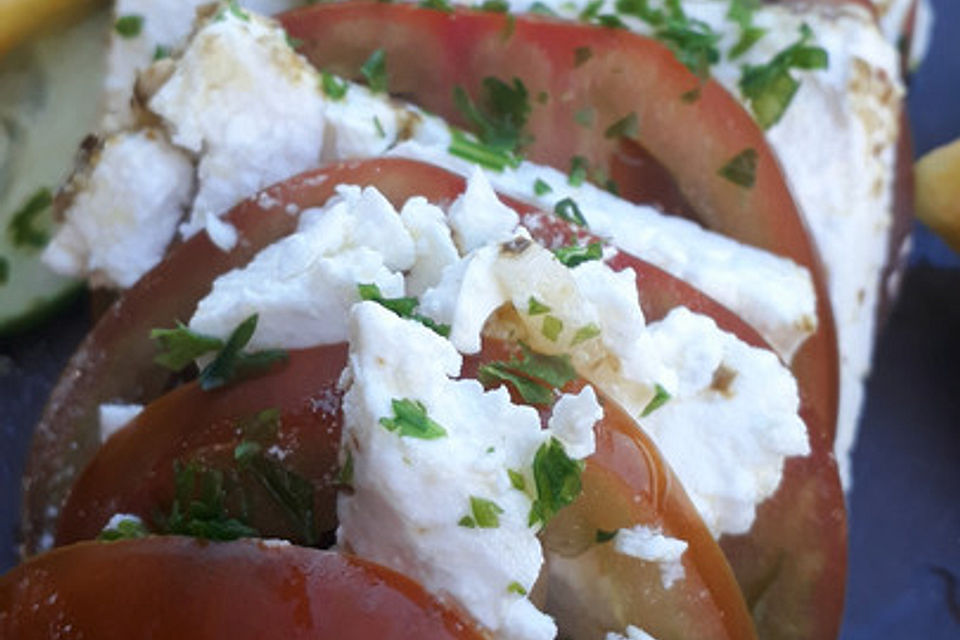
pixel 478 153
pixel 375 71
pixel 263 426
pixel 161 52
pixel 626 127
pixel 288 489
pixel 543 97
pixel 468 522
pixel 660 398
pixel 233 6
pixel 611 21
pixel 4 271
pixel 332 86
pixel 541 187
pixel 769 88
pixel 231 363
pixel 516 587
pixel 246 450
pixel 495 6
pixel 578 171
pixel 181 346
pixel 557 479
pixel 742 169
pixel 581 55
pixel 486 513
pixel 533 375
pixel 404 307
pixel 499 123
pixel 551 328
pixel 568 210
pixel 23 228
pixel 293 43
pixel 198 508
pixel 574 255
pixel 741 12
pixel 585 117
pixel 689 97
pixel 517 481
pixel 640 9
pixel 379 127
pixel 345 474
pixel 536 308
pixel 125 529
pixel 531 391
pixel 128 26
pixel 591 10
pixel 603 536
pixel 540 8
pixel 410 419
pixel 437 5
pixel 584 333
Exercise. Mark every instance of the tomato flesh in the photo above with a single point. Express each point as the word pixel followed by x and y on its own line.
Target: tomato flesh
pixel 171 587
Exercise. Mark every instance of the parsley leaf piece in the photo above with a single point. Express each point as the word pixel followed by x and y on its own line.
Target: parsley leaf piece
pixel 769 88
pixel 660 398
pixel 486 513
pixel 541 187
pixel 438 5
pixel 693 42
pixel 379 127
pixel 495 6
pixel 181 346
pixel 403 307
pixel 332 86
pixel 4 270
pixel 410 419
pixel 516 587
pixel 611 21
pixel 234 7
pixel 541 8
pixel 161 52
pixel 581 55
pixel 626 127
pixel 232 364
pixel 289 490
pixel 517 481
pixel 568 210
pixel 468 522
pixel 591 10
pixel 375 71
pixel 533 375
pixel 556 371
pixel 741 12
pixel 742 168
pixel 551 328
pixel 126 529
pixel 585 117
pixel 293 43
pixel 345 474
pixel 640 9
pixel 536 308
pixel 605 536
pixel 531 391
pixel 128 26
pixel 246 450
pixel 23 229
pixel 198 509
pixel 506 109
pixel 578 171
pixel 478 153
pixel 574 255
pixel 557 478
pixel 584 333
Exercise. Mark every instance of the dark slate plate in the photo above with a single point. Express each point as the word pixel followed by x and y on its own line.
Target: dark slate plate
pixel 905 506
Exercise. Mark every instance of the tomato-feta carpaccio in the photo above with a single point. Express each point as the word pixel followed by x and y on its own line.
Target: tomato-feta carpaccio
pixel 174 587
pixel 691 127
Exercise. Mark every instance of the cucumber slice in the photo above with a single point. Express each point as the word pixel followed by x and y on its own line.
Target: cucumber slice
pixel 49 100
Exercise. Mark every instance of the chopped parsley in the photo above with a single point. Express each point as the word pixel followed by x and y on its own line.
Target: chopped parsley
pixel 128 26
pixel 181 346
pixel 741 12
pixel 742 168
pixel 551 328
pixel 4 270
pixel 379 127
pixel 198 509
pixel 557 479
pixel 541 8
pixel 533 375
pixel 495 6
pixel 375 71
pixel 692 41
pixel 438 5
pixel 568 210
pixel 345 474
pixel 584 333
pixel 499 123
pixel 585 117
pixel 573 255
pixel 578 171
pixel 769 88
pixel 288 489
pixel 410 419
pixel 293 43
pixel 516 587
pixel 126 529
pixel 517 481
pixel 462 146
pixel 233 6
pixel 485 514
pixel 333 87
pixel 161 52
pixel 626 127
pixel 540 187
pixel 246 450
pixel 603 536
pixel 23 227
pixel 404 307
pixel 660 398
pixel 536 308
pixel 581 55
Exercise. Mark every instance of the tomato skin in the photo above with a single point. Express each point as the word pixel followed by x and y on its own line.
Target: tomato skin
pixel 172 587
pixel 133 471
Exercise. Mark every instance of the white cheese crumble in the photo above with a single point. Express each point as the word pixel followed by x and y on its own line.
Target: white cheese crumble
pixel 114 417
pixel 651 545
pixel 125 209
pixel 119 518
pixel 410 495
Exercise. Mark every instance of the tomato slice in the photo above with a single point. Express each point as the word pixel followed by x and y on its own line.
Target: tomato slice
pixel 133 472
pixel 429 52
pixel 171 587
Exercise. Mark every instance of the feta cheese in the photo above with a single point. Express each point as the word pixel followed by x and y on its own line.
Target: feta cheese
pixel 125 210
pixel 114 417
pixel 486 567
pixel 651 545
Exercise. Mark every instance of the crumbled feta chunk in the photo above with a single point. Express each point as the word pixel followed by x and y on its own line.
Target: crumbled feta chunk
pixel 478 217
pixel 427 226
pixel 572 421
pixel 651 545
pixel 114 417
pixel 125 210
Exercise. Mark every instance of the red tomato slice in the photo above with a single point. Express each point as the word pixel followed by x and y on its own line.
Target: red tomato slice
pixel 429 52
pixel 174 587
pixel 133 472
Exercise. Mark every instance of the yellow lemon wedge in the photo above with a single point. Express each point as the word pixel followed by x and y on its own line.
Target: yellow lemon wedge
pixel 21 19
pixel 938 192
